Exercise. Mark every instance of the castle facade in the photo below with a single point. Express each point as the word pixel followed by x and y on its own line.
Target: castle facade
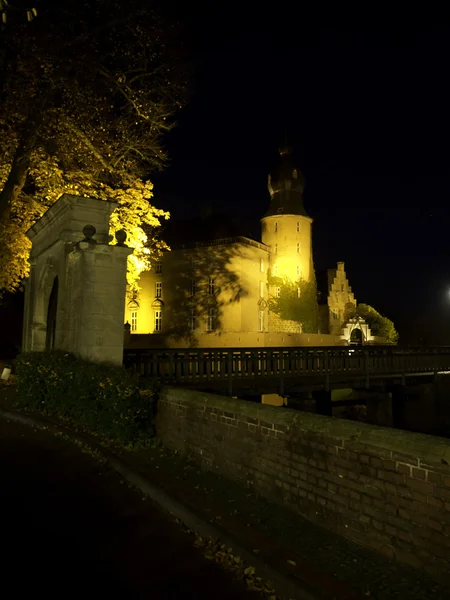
pixel 239 292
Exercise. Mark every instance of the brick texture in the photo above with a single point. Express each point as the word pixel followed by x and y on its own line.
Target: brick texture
pixel 392 495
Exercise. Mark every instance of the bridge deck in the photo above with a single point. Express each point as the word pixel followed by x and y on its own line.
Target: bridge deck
pixel 281 369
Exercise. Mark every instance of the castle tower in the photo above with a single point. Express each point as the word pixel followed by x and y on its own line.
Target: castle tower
pixel 286 227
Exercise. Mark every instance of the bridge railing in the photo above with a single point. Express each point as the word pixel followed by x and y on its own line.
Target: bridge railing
pixel 197 365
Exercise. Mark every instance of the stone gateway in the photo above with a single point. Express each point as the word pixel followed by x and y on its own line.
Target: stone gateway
pixel 75 295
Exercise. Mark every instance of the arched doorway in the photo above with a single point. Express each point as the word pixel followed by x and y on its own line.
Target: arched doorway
pixel 356 337
pixel 51 316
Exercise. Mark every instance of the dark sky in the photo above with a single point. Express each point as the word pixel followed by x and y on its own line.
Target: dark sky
pixel 367 110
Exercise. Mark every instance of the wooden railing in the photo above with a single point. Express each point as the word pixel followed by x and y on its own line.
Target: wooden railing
pixel 178 366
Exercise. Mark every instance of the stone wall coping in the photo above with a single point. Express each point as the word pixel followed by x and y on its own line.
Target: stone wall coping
pixel 426 448
pixel 105 248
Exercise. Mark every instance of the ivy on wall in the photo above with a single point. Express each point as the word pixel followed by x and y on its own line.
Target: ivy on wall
pixel 294 306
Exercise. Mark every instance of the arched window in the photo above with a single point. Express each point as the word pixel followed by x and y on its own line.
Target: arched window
pixel 275 227
pixel 158 320
pixel 157 306
pixel 133 308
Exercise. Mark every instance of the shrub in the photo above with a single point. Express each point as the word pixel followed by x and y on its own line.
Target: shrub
pixel 103 398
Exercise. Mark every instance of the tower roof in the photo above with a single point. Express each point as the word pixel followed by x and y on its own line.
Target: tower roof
pixel 286 185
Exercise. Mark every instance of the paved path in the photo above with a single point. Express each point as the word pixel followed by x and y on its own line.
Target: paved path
pixel 69 528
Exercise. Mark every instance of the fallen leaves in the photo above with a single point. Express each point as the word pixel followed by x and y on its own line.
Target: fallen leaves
pixel 214 550
pixel 292 562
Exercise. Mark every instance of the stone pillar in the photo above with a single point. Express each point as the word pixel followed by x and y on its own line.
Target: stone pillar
pixel 398 396
pixel 379 409
pixel 323 402
pixel 95 320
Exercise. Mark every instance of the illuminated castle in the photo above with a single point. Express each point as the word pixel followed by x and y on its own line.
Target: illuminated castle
pixel 238 292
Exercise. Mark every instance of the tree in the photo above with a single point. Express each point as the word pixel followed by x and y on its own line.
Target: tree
pixel 87 91
pixel 28 13
pixel 379 325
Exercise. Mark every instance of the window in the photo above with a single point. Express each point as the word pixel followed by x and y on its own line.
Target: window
pixel 298 248
pixel 192 320
pixel 158 268
pixel 158 289
pixel 261 289
pixel 299 292
pixel 280 210
pixel 193 287
pixel 277 292
pixel 299 272
pixel 261 321
pixel 261 265
pixel 298 226
pixel 275 270
pixel 158 320
pixel 276 248
pixel 133 319
pixel 276 226
pixel 211 287
pixel 211 320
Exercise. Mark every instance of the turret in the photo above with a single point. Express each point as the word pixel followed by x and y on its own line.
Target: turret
pixel 286 226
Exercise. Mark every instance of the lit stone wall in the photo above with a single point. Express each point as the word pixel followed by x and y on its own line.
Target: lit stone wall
pixel 280 233
pixel 279 325
pixel 240 340
pixel 238 271
pixel 341 299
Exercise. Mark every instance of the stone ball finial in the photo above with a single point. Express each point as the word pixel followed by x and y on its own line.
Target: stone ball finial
pixel 89 231
pixel 121 237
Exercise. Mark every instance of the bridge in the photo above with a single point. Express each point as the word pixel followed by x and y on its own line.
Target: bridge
pixel 289 370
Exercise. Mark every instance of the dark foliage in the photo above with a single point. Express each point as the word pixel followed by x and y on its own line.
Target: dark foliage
pixel 103 398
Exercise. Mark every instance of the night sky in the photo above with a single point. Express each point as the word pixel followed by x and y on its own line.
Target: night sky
pixel 366 109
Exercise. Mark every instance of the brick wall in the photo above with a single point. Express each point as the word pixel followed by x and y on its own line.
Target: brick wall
pixel 386 489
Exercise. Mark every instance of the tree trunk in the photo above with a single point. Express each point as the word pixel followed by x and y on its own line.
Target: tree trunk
pixel 21 162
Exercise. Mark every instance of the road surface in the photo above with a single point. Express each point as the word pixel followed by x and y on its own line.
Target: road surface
pixel 70 528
